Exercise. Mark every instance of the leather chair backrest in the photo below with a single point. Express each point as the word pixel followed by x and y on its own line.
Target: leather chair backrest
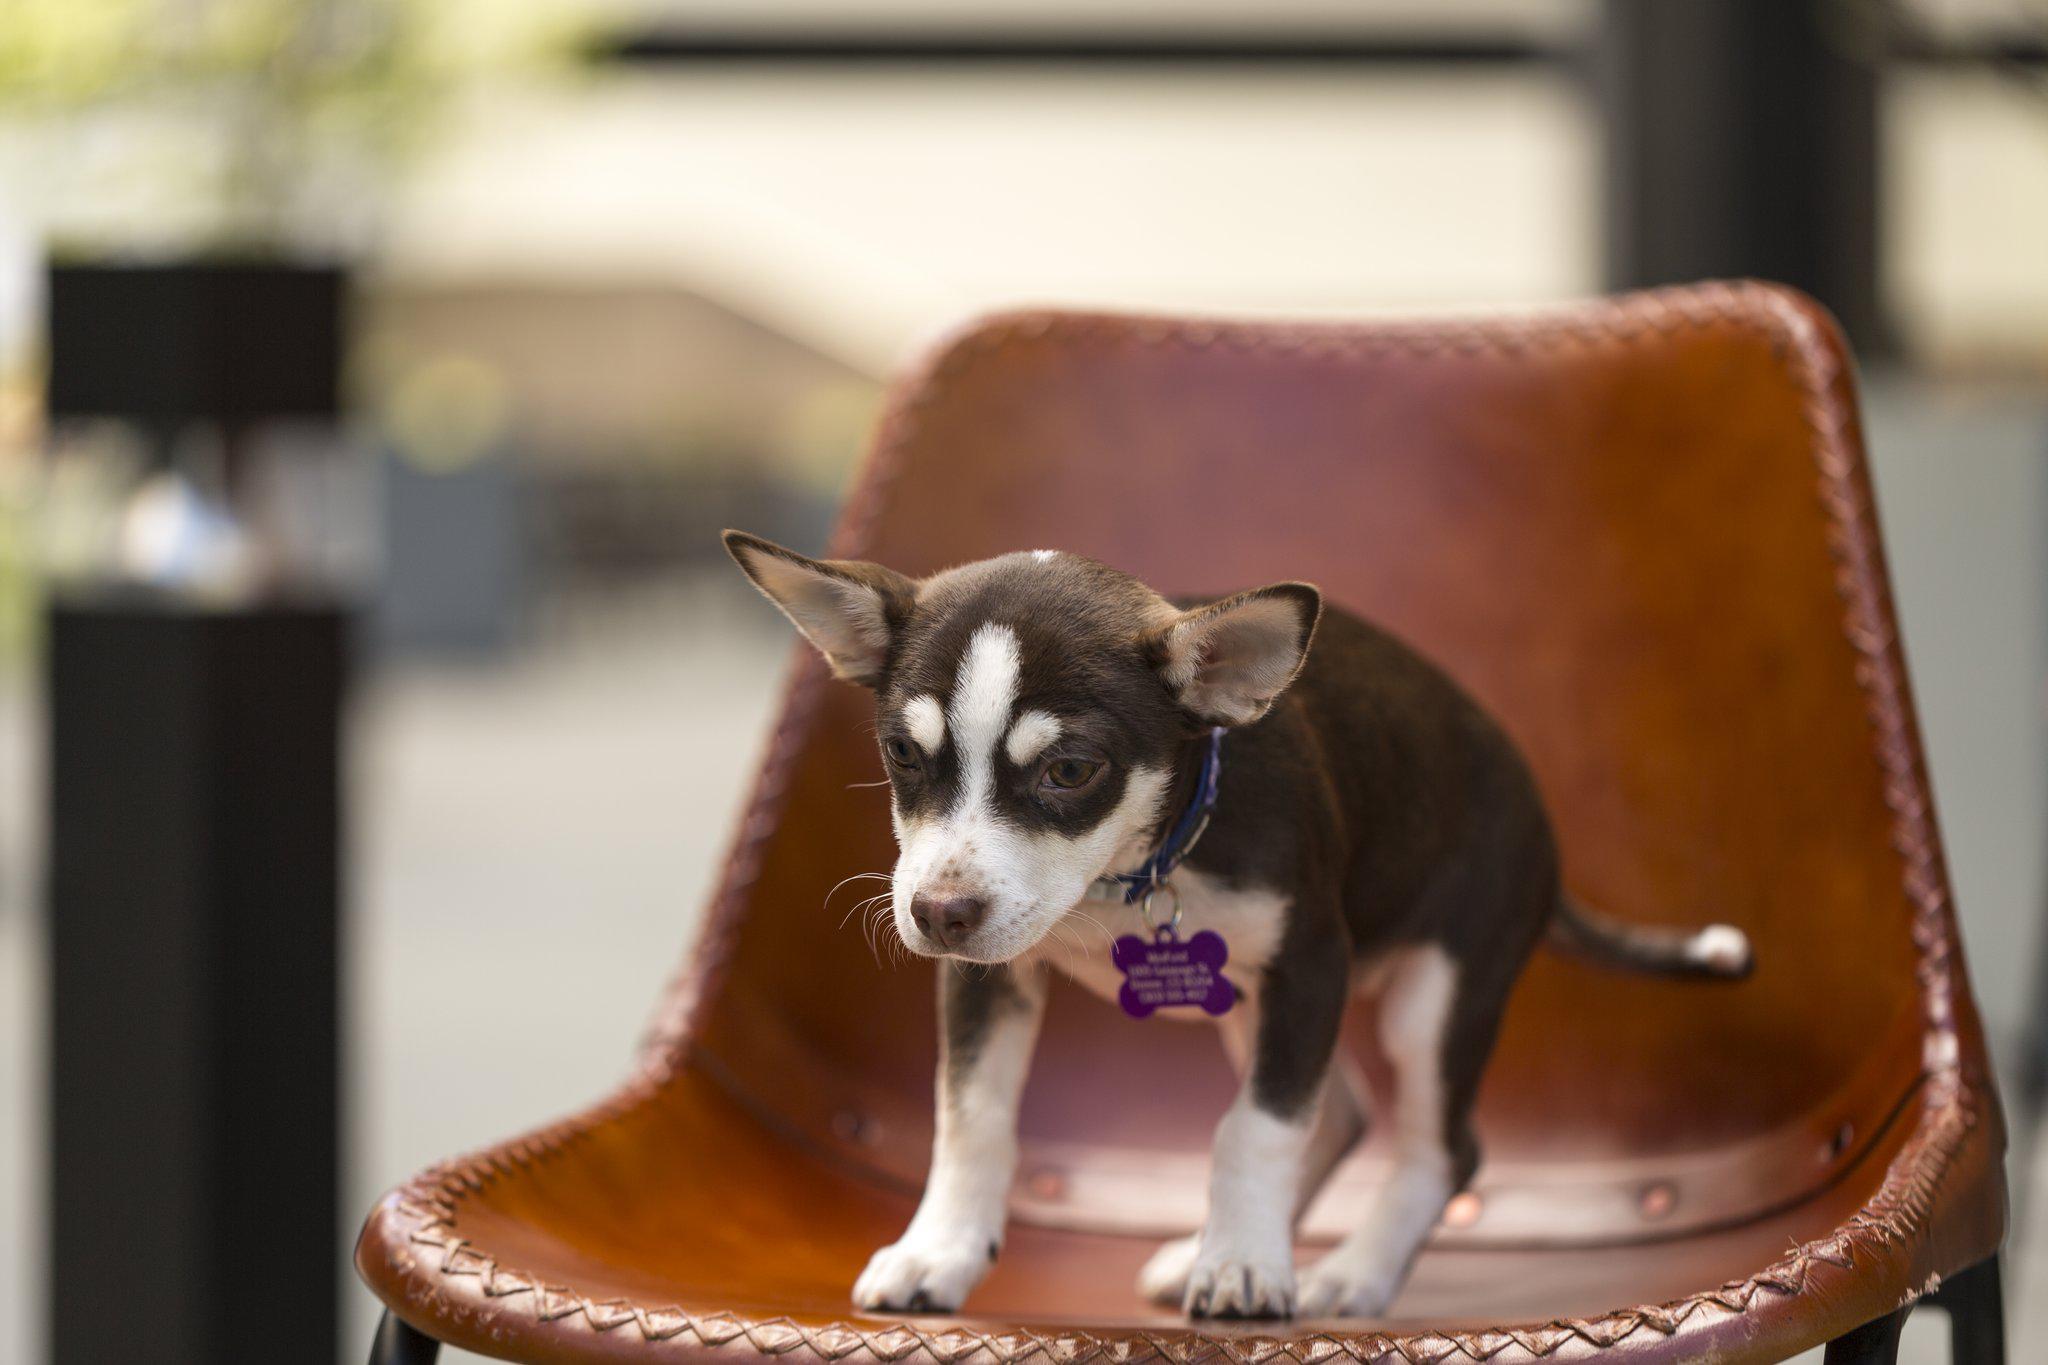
pixel 1639 531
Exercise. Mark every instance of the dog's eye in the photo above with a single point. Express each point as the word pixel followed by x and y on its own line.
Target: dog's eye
pixel 1069 773
pixel 901 753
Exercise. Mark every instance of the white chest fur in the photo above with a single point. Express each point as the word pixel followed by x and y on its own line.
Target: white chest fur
pixel 1250 923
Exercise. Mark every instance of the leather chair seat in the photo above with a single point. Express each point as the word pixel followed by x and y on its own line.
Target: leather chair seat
pixel 683 1221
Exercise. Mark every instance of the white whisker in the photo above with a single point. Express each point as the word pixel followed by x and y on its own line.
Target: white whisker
pixel 874 924
pixel 1064 936
pixel 1108 938
pixel 861 905
pixel 856 877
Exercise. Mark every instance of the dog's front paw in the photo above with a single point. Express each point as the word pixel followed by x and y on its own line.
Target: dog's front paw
pixel 1237 1282
pixel 924 1275
pixel 1164 1278
pixel 1349 1286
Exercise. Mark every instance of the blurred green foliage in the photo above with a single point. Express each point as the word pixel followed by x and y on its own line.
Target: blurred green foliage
pixel 258 99
pixel 56 53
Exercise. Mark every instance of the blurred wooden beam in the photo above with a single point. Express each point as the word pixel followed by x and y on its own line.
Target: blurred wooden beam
pixel 1092 45
pixel 1087 46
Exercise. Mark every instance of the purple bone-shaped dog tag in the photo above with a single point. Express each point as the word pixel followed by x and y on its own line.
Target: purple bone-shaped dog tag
pixel 1164 972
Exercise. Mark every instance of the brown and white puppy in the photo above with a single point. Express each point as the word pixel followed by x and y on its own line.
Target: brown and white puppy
pixel 1043 718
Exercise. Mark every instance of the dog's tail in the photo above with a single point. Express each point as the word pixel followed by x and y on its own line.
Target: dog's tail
pixel 1718 951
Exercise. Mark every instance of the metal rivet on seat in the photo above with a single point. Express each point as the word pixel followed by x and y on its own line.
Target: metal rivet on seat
pixel 1046 1183
pixel 850 1125
pixel 1463 1210
pixel 1657 1200
pixel 1835 1146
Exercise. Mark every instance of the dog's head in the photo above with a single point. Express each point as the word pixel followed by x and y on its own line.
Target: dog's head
pixel 1030 711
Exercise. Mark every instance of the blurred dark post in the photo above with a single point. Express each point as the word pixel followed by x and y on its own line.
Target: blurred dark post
pixel 194 866
pixel 1742 141
pixel 193 874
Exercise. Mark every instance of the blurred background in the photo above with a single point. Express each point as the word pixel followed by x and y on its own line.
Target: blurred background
pixel 460 327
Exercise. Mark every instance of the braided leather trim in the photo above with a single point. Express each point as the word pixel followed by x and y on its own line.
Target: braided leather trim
pixel 1952 1102
pixel 1889 1217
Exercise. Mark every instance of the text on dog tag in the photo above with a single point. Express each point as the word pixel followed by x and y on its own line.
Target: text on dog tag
pixel 1165 971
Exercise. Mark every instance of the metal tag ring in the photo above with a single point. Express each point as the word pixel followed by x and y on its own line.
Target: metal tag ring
pixel 1145 907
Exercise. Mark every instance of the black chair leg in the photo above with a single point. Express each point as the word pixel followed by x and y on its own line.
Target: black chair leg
pixel 400 1343
pixel 1975 1303
pixel 1874 1343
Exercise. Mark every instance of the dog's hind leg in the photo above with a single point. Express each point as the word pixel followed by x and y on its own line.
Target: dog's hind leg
pixel 1340 1123
pixel 1340 1126
pixel 1434 1153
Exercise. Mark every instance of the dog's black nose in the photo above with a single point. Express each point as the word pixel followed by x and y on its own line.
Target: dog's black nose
pixel 950 920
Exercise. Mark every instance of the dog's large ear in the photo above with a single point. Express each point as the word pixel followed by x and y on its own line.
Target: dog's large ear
pixel 847 608
pixel 1227 661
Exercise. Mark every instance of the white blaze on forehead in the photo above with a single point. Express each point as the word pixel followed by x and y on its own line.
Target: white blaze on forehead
pixel 1031 876
pixel 1029 736
pixel 983 693
pixel 926 721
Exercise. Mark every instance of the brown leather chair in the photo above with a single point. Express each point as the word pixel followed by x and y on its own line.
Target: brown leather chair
pixel 1641 531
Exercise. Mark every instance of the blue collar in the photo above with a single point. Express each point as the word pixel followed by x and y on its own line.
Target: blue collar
pixel 1179 840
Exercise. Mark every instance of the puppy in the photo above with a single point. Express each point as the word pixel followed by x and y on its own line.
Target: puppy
pixel 1066 748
